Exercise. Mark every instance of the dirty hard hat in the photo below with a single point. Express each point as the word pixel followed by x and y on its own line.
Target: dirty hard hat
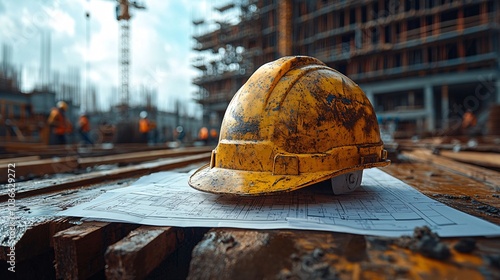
pixel 295 122
pixel 143 114
pixel 62 105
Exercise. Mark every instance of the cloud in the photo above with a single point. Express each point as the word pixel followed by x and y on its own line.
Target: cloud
pixel 60 21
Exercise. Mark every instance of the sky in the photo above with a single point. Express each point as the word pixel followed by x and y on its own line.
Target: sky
pixel 160 47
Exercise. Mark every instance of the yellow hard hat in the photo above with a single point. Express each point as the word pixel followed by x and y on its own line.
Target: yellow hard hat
pixel 295 122
pixel 62 105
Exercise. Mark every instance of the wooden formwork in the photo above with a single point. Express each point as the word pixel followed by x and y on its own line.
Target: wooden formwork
pixel 52 247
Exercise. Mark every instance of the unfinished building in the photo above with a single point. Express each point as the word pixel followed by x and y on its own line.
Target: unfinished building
pixel 422 63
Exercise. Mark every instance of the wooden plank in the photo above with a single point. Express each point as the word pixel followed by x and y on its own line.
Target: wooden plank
pixel 491 160
pixel 5 161
pixel 35 218
pixel 38 149
pixel 16 146
pixel 485 144
pixel 141 251
pixel 42 166
pixel 34 242
pixel 140 156
pixel 79 250
pixel 478 173
pixel 102 176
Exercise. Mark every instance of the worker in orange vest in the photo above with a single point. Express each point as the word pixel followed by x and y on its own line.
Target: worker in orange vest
pixel 203 135
pixel 59 124
pixel 145 126
pixel 84 128
pixel 469 122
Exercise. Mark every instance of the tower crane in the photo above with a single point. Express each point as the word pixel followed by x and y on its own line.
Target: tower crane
pixel 123 16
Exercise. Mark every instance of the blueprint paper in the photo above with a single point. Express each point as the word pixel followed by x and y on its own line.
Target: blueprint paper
pixel 383 206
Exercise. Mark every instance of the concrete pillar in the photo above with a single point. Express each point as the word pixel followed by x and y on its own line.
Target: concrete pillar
pixel 285 28
pixel 429 108
pixel 445 103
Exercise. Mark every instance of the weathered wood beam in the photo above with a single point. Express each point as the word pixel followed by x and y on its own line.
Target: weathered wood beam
pixel 491 160
pixel 141 251
pixel 5 161
pixel 41 167
pixel 478 173
pixel 79 250
pixel 36 241
pixel 43 150
pixel 140 156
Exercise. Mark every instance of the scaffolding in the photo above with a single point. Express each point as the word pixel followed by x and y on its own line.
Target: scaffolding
pixel 424 54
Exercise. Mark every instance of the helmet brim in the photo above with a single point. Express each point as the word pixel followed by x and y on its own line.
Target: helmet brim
pixel 250 183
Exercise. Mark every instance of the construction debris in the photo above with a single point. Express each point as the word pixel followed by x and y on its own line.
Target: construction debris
pixel 425 242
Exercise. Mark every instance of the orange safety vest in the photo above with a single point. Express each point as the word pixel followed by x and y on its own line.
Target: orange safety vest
pixel 203 133
pixel 143 125
pixel 59 122
pixel 84 124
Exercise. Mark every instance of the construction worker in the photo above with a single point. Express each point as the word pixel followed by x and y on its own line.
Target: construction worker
pixel 145 127
pixel 180 133
pixel 59 124
pixel 203 135
pixel 84 128
pixel 294 123
pixel 214 134
pixel 469 124
pixel 469 119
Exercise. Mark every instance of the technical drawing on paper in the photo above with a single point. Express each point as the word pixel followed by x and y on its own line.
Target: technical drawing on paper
pixel 382 205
